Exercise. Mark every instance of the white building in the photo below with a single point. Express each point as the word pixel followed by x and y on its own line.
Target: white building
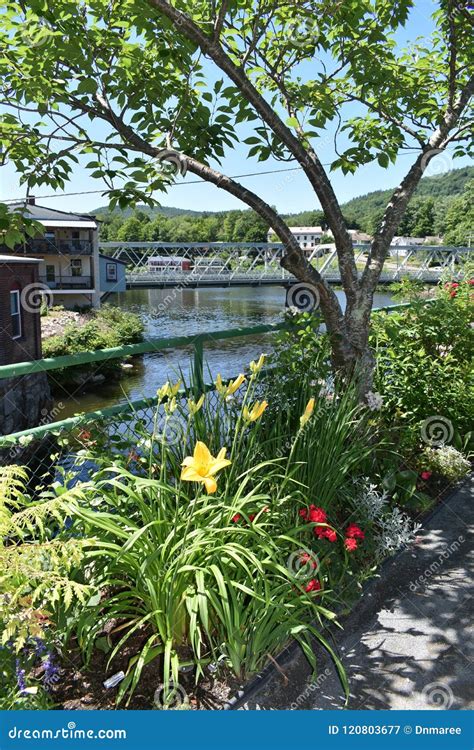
pixel 69 254
pixel 307 237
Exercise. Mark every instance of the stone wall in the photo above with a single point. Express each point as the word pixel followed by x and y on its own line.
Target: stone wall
pixel 24 402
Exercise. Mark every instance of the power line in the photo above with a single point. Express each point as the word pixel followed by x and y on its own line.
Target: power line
pixel 173 184
pixel 180 184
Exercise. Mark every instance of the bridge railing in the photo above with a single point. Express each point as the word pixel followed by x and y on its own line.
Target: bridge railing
pixel 249 263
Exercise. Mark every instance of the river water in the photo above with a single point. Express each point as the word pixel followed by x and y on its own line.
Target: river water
pixel 184 312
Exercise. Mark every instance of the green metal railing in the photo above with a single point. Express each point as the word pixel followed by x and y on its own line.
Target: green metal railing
pixel 196 341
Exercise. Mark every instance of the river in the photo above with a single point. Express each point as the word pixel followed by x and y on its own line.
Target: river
pixel 184 312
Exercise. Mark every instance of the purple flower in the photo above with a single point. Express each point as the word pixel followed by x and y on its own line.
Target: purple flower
pixel 40 646
pixel 20 677
pixel 51 670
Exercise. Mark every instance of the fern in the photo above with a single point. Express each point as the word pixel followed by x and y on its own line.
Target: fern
pixel 36 573
pixel 13 481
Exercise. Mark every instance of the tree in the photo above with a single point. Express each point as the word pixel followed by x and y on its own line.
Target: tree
pixel 424 218
pixel 289 70
pixel 459 223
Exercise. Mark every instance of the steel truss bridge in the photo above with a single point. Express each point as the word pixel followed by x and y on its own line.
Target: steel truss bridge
pixel 217 264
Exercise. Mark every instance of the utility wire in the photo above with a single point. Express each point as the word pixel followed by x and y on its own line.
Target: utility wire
pixel 173 184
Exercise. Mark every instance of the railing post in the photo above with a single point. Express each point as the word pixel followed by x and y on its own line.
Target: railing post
pixel 198 369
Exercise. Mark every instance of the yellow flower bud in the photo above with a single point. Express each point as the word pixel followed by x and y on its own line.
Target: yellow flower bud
pixel 256 412
pixel 307 412
pixel 255 367
pixel 195 406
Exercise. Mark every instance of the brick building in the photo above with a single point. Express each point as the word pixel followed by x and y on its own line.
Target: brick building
pixel 20 325
pixel 24 401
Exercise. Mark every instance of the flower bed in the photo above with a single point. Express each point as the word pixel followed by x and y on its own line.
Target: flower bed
pixel 193 548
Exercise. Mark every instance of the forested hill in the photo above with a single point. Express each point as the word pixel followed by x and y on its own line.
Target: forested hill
pixel 442 205
pixel 442 189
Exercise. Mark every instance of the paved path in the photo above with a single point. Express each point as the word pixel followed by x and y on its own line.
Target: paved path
pixel 408 643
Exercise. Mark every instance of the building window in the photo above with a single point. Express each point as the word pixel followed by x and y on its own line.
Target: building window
pixel 50 273
pixel 111 272
pixel 15 312
pixel 76 267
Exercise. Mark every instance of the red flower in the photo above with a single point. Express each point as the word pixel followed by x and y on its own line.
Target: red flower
pixel 252 516
pixel 307 558
pixel 354 532
pixel 330 535
pixel 425 475
pixel 313 514
pixel 313 585
pixel 317 515
pixel 350 544
pixel 471 281
pixel 84 435
pixel 236 518
pixel 453 293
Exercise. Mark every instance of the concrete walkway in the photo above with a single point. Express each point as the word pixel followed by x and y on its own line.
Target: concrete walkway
pixel 408 643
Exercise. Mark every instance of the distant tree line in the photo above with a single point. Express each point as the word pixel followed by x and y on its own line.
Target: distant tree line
pixel 434 211
pixel 228 226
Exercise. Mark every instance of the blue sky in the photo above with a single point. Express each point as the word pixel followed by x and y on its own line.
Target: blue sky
pixel 288 191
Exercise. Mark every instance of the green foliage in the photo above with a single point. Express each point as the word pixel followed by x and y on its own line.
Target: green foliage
pixel 151 226
pixel 199 569
pixel 428 212
pixel 36 580
pixel 436 209
pixel 445 460
pixel 107 328
pixel 424 361
pixel 460 218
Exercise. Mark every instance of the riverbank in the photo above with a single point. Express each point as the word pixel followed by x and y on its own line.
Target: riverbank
pixel 67 332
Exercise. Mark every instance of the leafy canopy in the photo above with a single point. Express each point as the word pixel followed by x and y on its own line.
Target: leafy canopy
pixel 130 66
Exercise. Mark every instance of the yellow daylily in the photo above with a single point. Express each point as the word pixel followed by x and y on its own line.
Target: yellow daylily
pixel 194 406
pixel 256 411
pixel 229 389
pixel 201 466
pixel 307 412
pixel 255 367
pixel 220 387
pixel 169 390
pixel 234 385
pixel 171 405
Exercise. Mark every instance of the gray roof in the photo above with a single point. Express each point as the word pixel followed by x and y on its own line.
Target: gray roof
pixel 112 260
pixel 42 213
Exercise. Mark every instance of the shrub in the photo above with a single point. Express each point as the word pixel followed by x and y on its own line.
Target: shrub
pixel 107 328
pixel 446 461
pixel 424 362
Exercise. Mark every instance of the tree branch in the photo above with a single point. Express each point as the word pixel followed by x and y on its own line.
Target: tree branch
pixel 403 193
pixel 306 157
